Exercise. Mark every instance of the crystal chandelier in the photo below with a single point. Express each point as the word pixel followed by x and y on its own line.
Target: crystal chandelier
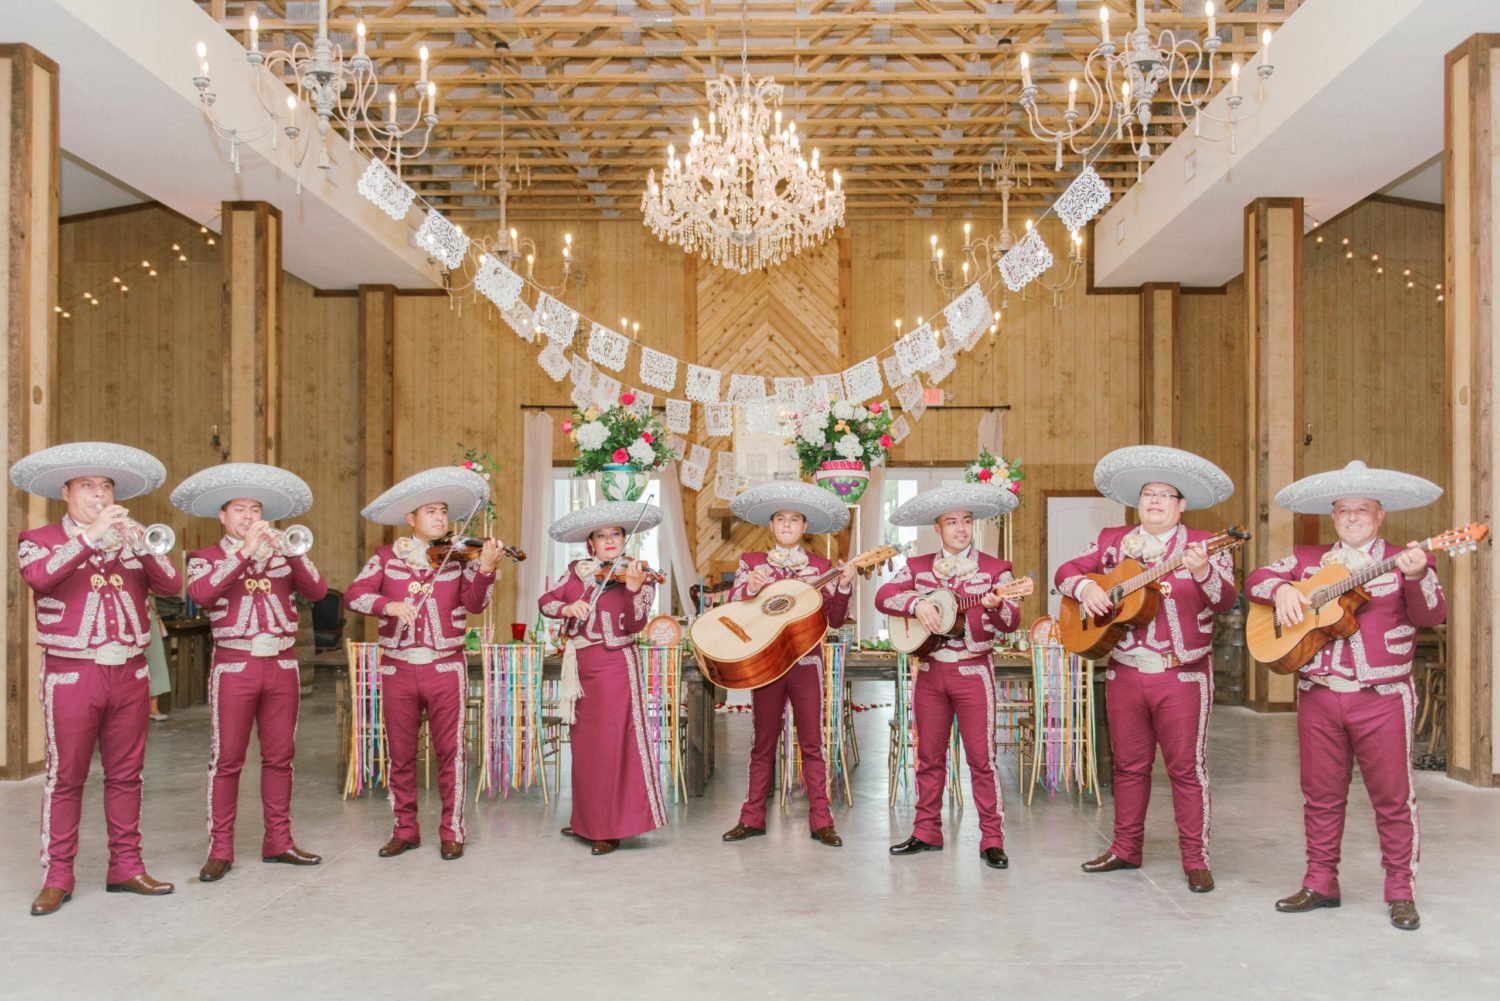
pixel 1123 84
pixel 743 196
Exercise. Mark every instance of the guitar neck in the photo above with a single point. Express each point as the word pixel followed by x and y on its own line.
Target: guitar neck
pixel 1172 565
pixel 1333 592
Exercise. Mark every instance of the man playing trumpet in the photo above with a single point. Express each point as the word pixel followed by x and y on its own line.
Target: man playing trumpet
pixel 249 581
pixel 89 581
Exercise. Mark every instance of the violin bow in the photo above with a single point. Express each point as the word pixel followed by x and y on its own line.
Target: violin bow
pixel 614 564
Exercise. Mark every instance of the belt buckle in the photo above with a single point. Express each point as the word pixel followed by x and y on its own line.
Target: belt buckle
pixel 110 655
pixel 264 646
pixel 419 656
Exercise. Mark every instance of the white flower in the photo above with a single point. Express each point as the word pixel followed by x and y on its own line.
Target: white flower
pixel 641 453
pixel 849 447
pixel 974 469
pixel 812 433
pixel 843 410
pixel 592 435
pixel 860 413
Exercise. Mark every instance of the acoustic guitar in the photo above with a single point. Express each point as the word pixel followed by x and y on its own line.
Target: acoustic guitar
pixel 1134 596
pixel 1336 596
pixel 910 637
pixel 752 642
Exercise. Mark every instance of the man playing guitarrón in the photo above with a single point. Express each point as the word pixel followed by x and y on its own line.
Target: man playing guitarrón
pixel 791 510
pixel 957 679
pixel 1159 682
pixel 1356 701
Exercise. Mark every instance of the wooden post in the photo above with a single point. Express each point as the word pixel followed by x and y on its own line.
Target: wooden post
pixel 1160 396
pixel 29 187
pixel 1471 175
pixel 250 268
pixel 1273 315
pixel 377 332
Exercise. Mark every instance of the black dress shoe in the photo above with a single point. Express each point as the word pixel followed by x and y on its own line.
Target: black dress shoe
pixel 994 858
pixel 1404 915
pixel 294 856
pixel 914 845
pixel 828 836
pixel 396 846
pixel 1108 862
pixel 1305 900
pixel 739 832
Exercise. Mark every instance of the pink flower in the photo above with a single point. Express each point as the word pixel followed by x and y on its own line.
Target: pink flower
pixel 646 437
pixel 1015 486
pixel 567 427
pixel 885 441
pixel 627 399
pixel 874 408
pixel 620 455
pixel 985 475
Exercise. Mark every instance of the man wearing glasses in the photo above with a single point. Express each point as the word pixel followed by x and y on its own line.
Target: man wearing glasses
pixel 1159 681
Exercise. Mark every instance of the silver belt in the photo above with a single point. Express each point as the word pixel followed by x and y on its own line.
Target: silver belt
pixel 261 645
pixel 1146 661
pixel 1334 683
pixel 108 655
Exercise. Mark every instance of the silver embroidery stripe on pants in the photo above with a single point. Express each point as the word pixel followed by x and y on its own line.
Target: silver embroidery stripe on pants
pixel 50 785
pixel 1200 751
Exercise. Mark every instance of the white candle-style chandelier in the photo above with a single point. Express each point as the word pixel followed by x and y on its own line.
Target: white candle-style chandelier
pixel 744 195
pixel 1122 84
pixel 337 92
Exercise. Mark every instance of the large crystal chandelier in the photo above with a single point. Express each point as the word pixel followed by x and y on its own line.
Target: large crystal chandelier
pixel 744 195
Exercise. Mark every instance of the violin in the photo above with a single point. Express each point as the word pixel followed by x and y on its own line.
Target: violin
pixel 467 549
pixel 603 576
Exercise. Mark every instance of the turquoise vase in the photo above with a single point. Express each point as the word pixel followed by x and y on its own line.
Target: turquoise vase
pixel 620 482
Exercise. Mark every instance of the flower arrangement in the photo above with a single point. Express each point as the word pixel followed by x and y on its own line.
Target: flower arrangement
pixel 996 472
pixel 845 431
pixel 482 463
pixel 617 436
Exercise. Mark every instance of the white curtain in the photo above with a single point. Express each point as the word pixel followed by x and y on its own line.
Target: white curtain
pixel 536 511
pixel 673 538
pixel 871 529
pixel 991 436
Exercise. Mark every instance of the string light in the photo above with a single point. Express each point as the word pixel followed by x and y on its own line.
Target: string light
pixel 120 281
pixel 1378 264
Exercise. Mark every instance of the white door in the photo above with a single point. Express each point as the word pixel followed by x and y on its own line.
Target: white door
pixel 1073 523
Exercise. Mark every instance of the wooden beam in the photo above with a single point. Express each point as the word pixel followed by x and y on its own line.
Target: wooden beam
pixel 377 335
pixel 251 275
pixel 1161 331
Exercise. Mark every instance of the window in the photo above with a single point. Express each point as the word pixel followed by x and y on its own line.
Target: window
pixel 570 494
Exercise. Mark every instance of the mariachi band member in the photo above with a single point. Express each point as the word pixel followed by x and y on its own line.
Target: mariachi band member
pixel 1355 699
pixel 957 679
pixel 89 575
pixel 248 582
pixel 1159 682
pixel 791 509
pixel 423 604
pixel 603 602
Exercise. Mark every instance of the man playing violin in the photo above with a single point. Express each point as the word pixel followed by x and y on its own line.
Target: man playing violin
pixel 1159 680
pixel 423 608
pixel 1356 701
pixel 603 601
pixel 957 680
pixel 249 586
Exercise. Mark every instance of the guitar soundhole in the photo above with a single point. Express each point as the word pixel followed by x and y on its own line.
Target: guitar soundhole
pixel 776 605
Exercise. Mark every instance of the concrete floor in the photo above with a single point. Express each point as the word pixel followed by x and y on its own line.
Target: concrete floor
pixel 530 914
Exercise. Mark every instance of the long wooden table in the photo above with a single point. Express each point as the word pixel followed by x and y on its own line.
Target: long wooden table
pixel 700 696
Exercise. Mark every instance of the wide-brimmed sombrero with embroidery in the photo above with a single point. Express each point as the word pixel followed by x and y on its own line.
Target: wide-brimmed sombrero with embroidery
pixel 979 500
pixel 1394 490
pixel 463 490
pixel 133 471
pixel 824 512
pixel 1121 474
pixel 281 493
pixel 632 516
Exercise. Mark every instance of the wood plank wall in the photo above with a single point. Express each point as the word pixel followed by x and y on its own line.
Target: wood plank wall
pixel 1068 374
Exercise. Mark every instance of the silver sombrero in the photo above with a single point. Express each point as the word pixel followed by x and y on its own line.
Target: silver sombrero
pixel 463 490
pixel 979 500
pixel 1121 474
pixel 824 512
pixel 133 471
pixel 1394 490
pixel 281 493
pixel 632 516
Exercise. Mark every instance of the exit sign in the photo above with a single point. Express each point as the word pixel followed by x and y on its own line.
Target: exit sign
pixel 932 396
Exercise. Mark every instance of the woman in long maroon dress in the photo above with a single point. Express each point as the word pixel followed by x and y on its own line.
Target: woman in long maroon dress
pixel 616 790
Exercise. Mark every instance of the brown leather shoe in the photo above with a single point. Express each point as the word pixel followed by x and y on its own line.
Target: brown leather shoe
pixel 214 869
pixel 1403 915
pixel 294 856
pixel 1108 862
pixel 1200 880
pixel 451 850
pixel 995 858
pixel 604 847
pixel 49 901
pixel 396 846
pixel 567 832
pixel 1305 900
pixel 739 832
pixel 142 884
pixel 825 835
